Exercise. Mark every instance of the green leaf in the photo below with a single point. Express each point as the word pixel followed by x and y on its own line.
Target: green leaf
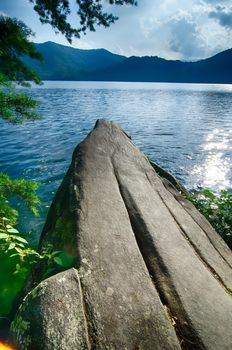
pixel 12 230
pixel 20 245
pixel 15 254
pixel 56 252
pixel 217 208
pixel 11 246
pixel 19 250
pixel 58 261
pixel 21 239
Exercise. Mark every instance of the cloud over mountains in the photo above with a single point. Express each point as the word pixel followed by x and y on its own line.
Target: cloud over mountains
pixel 174 29
pixel 223 15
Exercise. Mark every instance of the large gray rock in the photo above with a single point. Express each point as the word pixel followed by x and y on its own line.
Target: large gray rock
pixel 52 315
pixel 151 271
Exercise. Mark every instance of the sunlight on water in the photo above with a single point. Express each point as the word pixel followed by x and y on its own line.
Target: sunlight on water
pixel 185 128
pixel 214 172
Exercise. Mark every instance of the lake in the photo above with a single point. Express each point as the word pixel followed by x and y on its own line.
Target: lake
pixel 185 128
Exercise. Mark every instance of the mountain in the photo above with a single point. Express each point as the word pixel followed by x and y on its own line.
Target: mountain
pixel 216 69
pixel 66 63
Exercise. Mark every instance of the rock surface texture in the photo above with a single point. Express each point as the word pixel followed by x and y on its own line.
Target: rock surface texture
pixel 150 271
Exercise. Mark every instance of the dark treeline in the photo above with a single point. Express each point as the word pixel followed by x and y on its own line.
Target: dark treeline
pixel 67 63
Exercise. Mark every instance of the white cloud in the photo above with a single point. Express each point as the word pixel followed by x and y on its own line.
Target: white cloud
pixel 186 39
pixel 223 15
pixel 174 29
pixel 3 14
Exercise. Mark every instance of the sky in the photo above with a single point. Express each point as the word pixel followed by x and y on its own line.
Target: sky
pixel 172 29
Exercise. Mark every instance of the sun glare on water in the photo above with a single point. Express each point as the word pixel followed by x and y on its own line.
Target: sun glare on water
pixel 214 171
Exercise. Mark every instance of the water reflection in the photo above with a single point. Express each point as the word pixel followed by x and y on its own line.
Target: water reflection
pixel 185 128
pixel 214 171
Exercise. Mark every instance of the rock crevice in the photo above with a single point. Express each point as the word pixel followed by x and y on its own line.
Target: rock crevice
pixel 152 273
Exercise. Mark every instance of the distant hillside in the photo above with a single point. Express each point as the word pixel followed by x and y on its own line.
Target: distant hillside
pixel 66 63
pixel 216 69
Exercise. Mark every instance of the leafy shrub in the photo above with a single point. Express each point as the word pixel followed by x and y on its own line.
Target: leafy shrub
pixel 217 209
pixel 16 254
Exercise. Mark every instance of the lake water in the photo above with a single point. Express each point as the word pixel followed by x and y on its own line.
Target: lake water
pixel 185 128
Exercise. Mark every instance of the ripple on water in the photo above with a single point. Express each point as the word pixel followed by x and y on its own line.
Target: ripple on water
pixel 186 128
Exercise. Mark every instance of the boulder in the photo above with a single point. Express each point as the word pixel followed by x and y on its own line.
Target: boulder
pixel 150 272
pixel 52 315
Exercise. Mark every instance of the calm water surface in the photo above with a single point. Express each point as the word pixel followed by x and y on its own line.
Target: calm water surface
pixel 185 128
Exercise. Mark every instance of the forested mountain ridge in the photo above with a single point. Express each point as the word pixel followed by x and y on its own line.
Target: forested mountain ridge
pixel 67 63
pixel 216 69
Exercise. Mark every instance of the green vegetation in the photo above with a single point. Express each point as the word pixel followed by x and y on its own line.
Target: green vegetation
pixel 16 254
pixel 15 106
pixel 68 63
pixel 90 14
pixel 17 187
pixel 13 243
pixel 217 209
pixel 15 46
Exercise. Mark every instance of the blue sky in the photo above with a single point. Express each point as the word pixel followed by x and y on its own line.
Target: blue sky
pixel 173 29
